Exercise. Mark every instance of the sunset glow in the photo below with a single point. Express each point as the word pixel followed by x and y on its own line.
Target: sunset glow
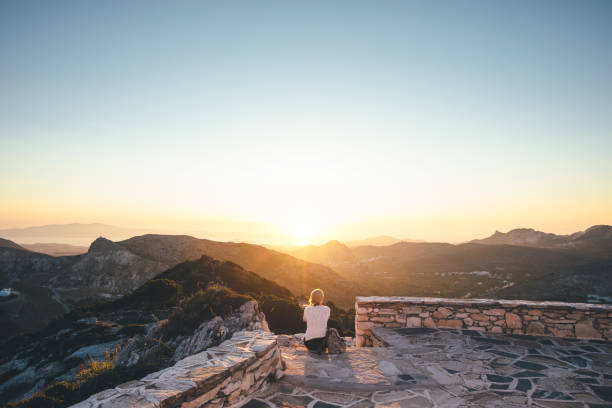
pixel 293 124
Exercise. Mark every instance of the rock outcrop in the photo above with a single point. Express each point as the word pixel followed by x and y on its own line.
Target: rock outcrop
pixel 209 333
pixel 30 369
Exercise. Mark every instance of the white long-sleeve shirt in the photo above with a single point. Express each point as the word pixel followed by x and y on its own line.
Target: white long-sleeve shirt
pixel 316 321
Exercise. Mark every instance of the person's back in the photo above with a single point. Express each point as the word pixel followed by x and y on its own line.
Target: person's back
pixel 316 317
pixel 317 338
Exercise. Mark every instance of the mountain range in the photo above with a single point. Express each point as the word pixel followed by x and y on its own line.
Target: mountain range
pixel 521 263
pixel 596 240
pixel 49 286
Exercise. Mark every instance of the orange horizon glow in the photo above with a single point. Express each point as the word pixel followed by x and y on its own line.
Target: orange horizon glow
pixel 453 228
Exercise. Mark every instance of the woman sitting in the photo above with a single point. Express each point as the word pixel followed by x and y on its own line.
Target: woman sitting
pixel 316 316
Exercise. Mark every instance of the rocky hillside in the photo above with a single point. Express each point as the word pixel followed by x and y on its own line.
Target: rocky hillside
pixel 181 312
pixel 50 286
pixel 594 241
pixel 298 275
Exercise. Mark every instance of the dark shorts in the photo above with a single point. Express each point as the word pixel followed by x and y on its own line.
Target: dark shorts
pixel 317 345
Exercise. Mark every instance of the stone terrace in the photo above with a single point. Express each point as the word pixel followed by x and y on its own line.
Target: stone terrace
pixel 488 357
pixel 423 367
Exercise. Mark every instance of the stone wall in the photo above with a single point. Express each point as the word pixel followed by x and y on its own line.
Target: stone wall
pixel 557 319
pixel 219 376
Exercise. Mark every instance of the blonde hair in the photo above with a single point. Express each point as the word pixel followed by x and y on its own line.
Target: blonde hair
pixel 316 297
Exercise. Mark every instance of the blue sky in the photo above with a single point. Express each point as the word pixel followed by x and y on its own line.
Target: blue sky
pixel 355 118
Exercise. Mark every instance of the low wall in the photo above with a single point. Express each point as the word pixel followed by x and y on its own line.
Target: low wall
pixel 219 376
pixel 557 319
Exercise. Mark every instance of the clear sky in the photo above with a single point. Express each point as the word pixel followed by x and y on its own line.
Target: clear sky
pixel 286 121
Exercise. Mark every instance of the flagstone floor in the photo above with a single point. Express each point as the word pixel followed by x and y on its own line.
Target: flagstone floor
pixel 446 368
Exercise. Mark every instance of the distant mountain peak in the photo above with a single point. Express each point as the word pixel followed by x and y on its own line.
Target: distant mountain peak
pixel 535 238
pixel 334 243
pixel 102 244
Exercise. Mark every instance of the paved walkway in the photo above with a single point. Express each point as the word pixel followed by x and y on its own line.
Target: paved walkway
pixel 446 368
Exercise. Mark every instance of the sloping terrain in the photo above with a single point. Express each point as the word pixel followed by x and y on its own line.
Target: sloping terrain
pixel 180 312
pixel 50 286
pixel 569 271
pixel 298 275
pixel 5 243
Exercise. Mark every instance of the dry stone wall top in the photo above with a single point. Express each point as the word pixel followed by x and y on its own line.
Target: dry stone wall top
pixel 558 319
pixel 219 376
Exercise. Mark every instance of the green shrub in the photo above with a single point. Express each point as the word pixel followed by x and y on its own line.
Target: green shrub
pixel 13 390
pixel 38 400
pixel 284 315
pixel 156 293
pixel 204 305
pixel 61 390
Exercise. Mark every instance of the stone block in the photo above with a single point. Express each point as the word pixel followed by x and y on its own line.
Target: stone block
pixel 536 329
pixel 429 322
pixel 569 327
pixel 480 317
pixel 412 310
pixel 559 332
pixel 497 329
pixel 442 313
pixel 535 312
pixel 203 398
pixel 413 322
pixel 231 387
pixel 247 382
pixel 424 314
pixel 364 325
pixel 558 321
pixel 500 323
pixel 585 330
pixel 468 321
pixel 495 312
pixel 383 318
pixel 233 398
pixel 513 321
pixel 461 315
pixel 451 323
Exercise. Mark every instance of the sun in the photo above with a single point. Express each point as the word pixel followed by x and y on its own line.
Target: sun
pixel 302 233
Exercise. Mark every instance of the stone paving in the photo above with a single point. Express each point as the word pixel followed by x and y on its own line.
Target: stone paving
pixel 445 368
